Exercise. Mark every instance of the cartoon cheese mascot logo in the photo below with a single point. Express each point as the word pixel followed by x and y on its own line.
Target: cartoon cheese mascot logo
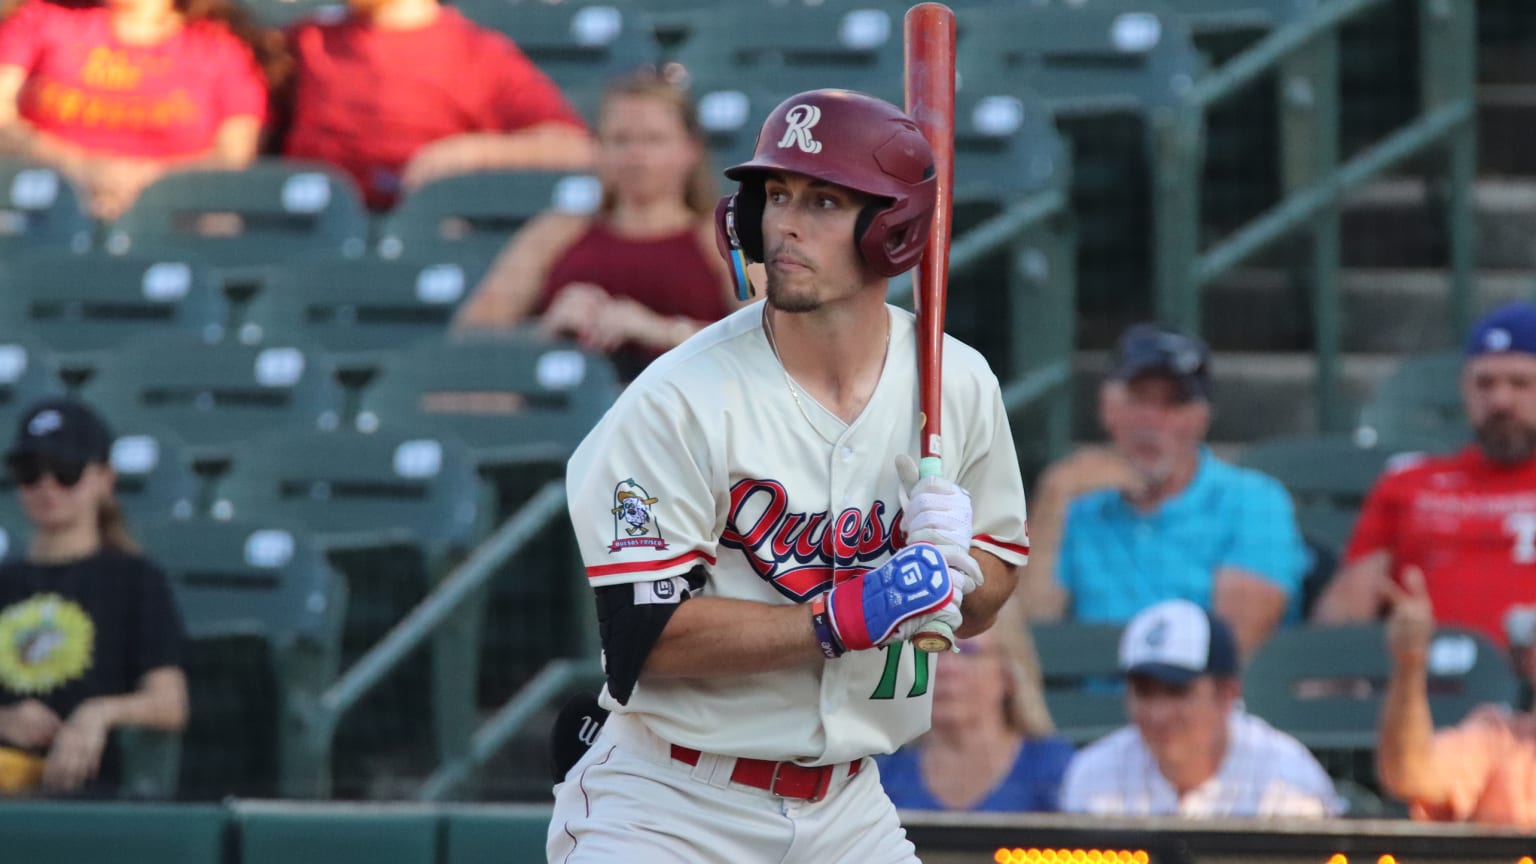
pixel 634 520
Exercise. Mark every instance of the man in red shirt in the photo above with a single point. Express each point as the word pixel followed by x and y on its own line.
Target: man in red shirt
pixel 1467 521
pixel 401 92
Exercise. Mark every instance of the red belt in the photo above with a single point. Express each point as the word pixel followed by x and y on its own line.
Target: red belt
pixel 784 779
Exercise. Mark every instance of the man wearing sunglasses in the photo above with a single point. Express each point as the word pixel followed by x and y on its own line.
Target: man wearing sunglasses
pixel 90 639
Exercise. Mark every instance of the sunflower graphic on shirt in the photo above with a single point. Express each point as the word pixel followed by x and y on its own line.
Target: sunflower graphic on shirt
pixel 46 641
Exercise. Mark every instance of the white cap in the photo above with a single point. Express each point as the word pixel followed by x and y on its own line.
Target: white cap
pixel 1177 641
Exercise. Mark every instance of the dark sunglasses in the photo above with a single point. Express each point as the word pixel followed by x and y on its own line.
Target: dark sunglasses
pixel 28 470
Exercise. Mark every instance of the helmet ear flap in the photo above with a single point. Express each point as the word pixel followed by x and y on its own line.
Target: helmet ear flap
pixel 892 235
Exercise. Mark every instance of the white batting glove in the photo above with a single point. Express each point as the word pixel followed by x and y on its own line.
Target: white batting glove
pixel 950 615
pixel 936 510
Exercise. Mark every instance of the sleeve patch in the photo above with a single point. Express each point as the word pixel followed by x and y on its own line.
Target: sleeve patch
pixel 635 522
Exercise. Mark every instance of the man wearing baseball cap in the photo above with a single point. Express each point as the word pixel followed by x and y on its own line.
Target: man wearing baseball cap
pixel 1191 750
pixel 1183 524
pixel 1466 522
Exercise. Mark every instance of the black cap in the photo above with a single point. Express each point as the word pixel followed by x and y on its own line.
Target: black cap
pixel 1153 349
pixel 65 429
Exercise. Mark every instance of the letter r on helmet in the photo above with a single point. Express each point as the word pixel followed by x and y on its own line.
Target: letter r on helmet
pixel 798 133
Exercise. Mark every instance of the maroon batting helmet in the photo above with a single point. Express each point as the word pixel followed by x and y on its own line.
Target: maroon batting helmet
pixel 850 139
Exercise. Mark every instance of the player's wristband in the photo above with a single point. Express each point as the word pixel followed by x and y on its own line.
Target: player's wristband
pixel 830 647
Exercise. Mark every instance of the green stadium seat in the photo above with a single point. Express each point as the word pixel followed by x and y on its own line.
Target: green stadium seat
pixel 151 762
pixel 356 490
pixel 468 218
pixel 1418 405
pixel 70 832
pixel 839 43
pixel 577 43
pixel 15 530
pixel 40 209
pixel 273 210
pixel 731 112
pixel 1081 664
pixel 394 511
pixel 358 312
pixel 156 476
pixel 513 398
pixel 476 835
pixel 1324 685
pixel 278 833
pixel 263 609
pixel 28 372
pixel 216 395
pixel 279 14
pixel 1322 471
pixel 521 405
pixel 83 306
pixel 1103 69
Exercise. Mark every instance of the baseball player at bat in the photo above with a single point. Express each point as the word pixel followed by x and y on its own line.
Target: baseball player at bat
pixel 753 609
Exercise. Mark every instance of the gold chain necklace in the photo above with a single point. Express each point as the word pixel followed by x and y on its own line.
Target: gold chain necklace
pixel 789 381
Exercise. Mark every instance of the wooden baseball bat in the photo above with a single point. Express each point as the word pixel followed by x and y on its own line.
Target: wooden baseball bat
pixel 930 91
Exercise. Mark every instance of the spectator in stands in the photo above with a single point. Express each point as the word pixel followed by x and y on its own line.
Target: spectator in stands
pixel 642 274
pixel 1191 750
pixel 1188 525
pixel 90 638
pixel 992 746
pixel 401 92
pixel 1483 770
pixel 1090 468
pixel 1467 521
pixel 115 95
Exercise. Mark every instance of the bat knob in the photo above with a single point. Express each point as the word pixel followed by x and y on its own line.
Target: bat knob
pixel 937 639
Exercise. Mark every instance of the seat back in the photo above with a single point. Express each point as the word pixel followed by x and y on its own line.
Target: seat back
pixel 1320 471
pixel 1119 55
pixel 840 43
pixel 1419 404
pixel 1324 685
pixel 358 489
pixel 513 398
pixel 28 372
pixel 578 43
pixel 155 476
pixel 215 395
pixel 263 609
pixel 40 209
pixel 468 218
pixel 82 305
pixel 270 210
pixel 357 311
pixel 1081 665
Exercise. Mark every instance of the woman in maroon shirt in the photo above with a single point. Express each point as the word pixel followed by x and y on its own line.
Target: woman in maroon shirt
pixel 639 276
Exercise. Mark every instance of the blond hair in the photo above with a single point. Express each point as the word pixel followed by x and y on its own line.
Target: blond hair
pixel 1024 707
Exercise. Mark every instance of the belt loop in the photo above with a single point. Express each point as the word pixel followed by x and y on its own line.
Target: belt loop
pixel 713 769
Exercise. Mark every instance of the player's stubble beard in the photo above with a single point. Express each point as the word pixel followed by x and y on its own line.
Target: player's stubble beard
pixel 781 294
pixel 1505 439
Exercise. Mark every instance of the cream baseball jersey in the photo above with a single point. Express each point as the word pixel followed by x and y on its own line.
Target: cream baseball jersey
pixel 712 457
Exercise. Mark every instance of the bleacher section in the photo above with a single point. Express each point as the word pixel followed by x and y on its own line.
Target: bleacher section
pixel 309 454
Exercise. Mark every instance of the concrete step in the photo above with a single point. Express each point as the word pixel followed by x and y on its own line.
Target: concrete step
pixel 1257 395
pixel 1505 115
pixel 1390 224
pixel 1384 310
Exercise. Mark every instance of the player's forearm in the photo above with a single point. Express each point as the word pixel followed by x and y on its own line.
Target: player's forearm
pixel 712 637
pixel 1405 751
pixel 980 607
